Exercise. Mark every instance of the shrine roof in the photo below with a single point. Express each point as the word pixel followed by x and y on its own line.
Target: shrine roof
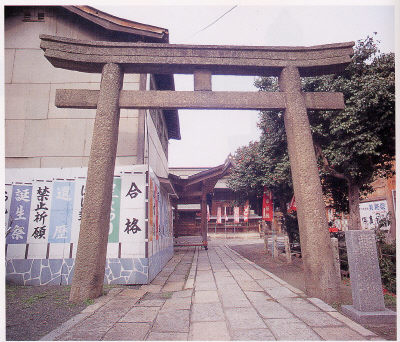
pixel 113 23
pixel 148 33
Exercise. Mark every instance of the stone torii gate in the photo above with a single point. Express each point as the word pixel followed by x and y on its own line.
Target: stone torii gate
pixel 113 59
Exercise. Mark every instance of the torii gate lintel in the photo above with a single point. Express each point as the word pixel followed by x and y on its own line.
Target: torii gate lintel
pixel 289 63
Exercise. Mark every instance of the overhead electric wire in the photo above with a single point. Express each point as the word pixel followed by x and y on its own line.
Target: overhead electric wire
pixel 215 21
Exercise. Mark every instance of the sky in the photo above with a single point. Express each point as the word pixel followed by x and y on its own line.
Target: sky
pixel 208 136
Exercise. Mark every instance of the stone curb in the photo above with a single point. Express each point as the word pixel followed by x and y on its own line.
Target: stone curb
pixel 89 310
pixel 192 273
pixel 316 301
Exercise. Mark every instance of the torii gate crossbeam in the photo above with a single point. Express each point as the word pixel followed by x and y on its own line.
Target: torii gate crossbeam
pixel 113 59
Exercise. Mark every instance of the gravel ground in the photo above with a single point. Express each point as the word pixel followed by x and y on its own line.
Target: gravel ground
pixel 34 311
pixel 293 274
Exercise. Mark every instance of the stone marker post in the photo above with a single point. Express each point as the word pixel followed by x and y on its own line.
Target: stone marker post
pixel 321 278
pixel 336 257
pixel 365 277
pixel 92 246
pixel 288 252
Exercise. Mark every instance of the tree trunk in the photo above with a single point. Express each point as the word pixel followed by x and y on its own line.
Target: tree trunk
pixel 354 207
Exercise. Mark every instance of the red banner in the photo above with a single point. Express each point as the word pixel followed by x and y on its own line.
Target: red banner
pixel 236 214
pixel 246 212
pixel 268 207
pixel 292 205
pixel 219 218
pixel 208 213
pixel 226 216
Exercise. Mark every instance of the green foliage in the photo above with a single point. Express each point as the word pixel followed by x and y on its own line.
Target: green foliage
pixel 354 146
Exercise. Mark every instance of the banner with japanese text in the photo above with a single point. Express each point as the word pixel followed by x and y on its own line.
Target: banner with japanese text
pixel 61 212
pixel 113 233
pixel 268 207
pixel 19 213
pixel 39 221
pixel 219 216
pixel 246 212
pixel 236 215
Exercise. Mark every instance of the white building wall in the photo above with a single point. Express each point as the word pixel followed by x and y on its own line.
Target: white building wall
pixel 37 134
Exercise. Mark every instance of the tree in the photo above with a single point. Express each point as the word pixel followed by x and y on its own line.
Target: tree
pixel 356 145
pixel 266 164
pixel 353 146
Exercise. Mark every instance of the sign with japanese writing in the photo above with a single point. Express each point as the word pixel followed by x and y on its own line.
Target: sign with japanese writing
pixel 40 212
pixel 61 212
pixel 236 214
pixel 132 208
pixel 225 215
pixel 372 213
pixel 8 193
pixel 268 207
pixel 219 216
pixel 19 213
pixel 113 234
pixel 79 196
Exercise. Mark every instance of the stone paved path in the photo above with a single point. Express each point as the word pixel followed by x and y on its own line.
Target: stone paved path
pixel 210 295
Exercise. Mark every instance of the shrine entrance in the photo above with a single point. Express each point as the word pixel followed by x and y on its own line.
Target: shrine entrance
pixel 289 64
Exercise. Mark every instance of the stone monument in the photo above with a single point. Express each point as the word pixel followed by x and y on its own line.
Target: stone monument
pixel 366 285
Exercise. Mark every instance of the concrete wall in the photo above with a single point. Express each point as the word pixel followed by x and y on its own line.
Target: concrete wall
pixel 37 134
pixel 45 223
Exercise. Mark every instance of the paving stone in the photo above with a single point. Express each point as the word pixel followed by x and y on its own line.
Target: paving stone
pixel 204 278
pixel 296 304
pixel 272 309
pixel 321 304
pixel 158 336
pixel 134 293
pixel 256 274
pixel 150 302
pixel 268 283
pixel 204 312
pixel 202 286
pixel 353 325
pixel 208 331
pixel 280 292
pixel 182 294
pixel 152 288
pixel 177 304
pixel 257 297
pixel 318 319
pixel 252 335
pixel 140 315
pixel 250 286
pixel 173 286
pixel 90 329
pixel 177 277
pixel 206 297
pixel 159 280
pixel 205 267
pixel 244 318
pixel 172 321
pixel 221 281
pixel 291 329
pixel 232 302
pixel 127 331
pixel 338 334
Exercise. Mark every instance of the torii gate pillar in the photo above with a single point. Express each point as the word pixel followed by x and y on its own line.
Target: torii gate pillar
pixel 92 246
pixel 319 281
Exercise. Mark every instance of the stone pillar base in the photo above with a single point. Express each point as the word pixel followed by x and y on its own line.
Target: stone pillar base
pixel 371 317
